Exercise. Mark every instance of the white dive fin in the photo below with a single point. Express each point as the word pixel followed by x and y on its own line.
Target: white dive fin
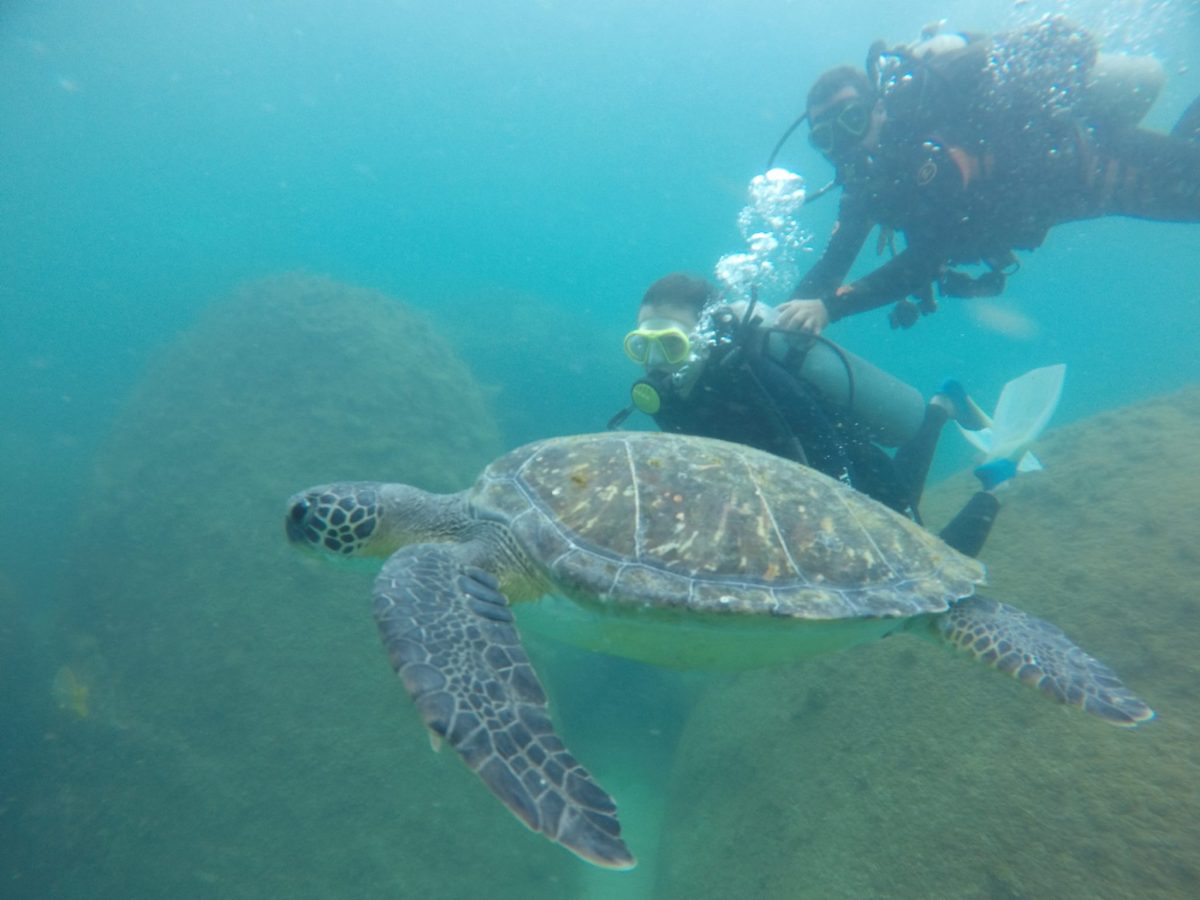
pixel 1025 407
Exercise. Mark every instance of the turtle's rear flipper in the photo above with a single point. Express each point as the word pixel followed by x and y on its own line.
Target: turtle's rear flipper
pixel 1038 654
pixel 451 638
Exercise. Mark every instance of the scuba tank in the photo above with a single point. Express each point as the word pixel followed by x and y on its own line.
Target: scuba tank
pixel 1120 90
pixel 891 410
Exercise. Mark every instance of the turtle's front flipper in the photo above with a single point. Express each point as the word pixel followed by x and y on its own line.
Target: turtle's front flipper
pixel 451 638
pixel 1038 654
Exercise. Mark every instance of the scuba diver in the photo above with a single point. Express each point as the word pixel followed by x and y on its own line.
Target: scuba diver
pixel 722 370
pixel 972 147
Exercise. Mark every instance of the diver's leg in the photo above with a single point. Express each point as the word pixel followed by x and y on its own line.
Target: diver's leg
pixel 1148 175
pixel 873 472
pixel 913 458
pixel 968 531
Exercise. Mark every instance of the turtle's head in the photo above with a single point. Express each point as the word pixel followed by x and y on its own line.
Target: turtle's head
pixel 342 519
pixel 368 518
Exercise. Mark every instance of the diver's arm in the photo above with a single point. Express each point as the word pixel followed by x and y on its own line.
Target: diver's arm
pixel 806 311
pixel 937 191
pixel 849 234
pixel 908 272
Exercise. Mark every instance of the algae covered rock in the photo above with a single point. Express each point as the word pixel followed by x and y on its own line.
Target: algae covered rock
pixel 898 770
pixel 560 368
pixel 229 723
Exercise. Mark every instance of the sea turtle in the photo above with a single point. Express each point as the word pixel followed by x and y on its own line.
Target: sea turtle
pixel 676 550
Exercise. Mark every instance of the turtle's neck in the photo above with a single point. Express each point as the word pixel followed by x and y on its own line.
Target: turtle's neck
pixel 411 515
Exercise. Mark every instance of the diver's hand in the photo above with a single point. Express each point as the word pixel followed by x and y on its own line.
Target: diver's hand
pixel 802 315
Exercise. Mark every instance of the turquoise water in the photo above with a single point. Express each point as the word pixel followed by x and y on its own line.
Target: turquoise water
pixel 512 169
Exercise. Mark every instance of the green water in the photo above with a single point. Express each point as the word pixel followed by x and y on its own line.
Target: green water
pixel 192 709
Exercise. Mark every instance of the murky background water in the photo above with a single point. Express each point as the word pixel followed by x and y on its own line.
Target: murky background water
pixel 254 246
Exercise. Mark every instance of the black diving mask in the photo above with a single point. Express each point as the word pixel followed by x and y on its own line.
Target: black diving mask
pixel 841 127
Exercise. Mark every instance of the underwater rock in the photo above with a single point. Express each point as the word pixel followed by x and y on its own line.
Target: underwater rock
pixel 560 368
pixel 247 736
pixel 898 770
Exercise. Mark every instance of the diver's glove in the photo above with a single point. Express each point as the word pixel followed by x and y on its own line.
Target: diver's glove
pixel 904 314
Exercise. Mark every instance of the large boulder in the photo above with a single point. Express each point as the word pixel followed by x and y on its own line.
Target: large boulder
pixel 227 722
pixel 559 369
pixel 901 770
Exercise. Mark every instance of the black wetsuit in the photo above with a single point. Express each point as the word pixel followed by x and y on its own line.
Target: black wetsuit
pixel 748 396
pixel 968 177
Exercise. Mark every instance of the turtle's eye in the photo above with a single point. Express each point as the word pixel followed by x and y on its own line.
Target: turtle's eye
pixel 298 523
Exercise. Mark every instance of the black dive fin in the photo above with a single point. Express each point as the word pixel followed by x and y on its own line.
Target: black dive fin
pixel 1188 126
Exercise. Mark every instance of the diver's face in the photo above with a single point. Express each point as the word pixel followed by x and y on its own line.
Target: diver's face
pixel 662 339
pixel 846 123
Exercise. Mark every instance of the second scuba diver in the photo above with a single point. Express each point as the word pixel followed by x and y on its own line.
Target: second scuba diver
pixel 973 147
pixel 713 371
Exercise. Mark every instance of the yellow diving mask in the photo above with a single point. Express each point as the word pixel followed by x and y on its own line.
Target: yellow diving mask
pixel 658 342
